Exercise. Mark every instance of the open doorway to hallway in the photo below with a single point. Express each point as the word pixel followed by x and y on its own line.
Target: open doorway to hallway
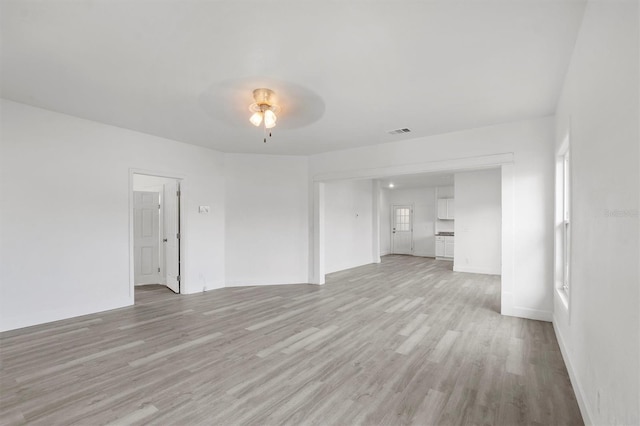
pixel 454 217
pixel 511 303
pixel 156 231
pixel 419 196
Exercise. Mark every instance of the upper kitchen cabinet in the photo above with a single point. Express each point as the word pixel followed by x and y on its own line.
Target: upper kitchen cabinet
pixel 446 208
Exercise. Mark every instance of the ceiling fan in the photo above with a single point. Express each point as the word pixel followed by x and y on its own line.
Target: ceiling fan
pixel 264 110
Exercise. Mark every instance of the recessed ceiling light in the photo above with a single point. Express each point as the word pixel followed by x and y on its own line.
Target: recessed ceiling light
pixel 391 185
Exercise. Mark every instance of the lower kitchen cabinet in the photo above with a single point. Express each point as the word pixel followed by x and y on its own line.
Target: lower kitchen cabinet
pixel 439 246
pixel 445 246
pixel 448 247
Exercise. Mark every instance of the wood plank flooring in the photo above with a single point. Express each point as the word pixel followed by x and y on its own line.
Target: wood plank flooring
pixel 406 341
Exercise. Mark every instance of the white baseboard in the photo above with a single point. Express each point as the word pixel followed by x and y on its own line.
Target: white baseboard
pixel 431 255
pixel 575 383
pixel 208 287
pixel 424 254
pixel 255 283
pixel 74 310
pixel 477 270
pixel 350 266
pixel 528 313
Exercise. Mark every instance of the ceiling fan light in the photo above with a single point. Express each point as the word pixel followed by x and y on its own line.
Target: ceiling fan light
pixel 256 119
pixel 270 119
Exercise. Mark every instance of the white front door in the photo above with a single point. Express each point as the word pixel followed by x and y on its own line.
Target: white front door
pixel 171 238
pixel 402 230
pixel 146 237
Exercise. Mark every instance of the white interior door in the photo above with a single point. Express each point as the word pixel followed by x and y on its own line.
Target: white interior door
pixel 146 237
pixel 402 230
pixel 171 238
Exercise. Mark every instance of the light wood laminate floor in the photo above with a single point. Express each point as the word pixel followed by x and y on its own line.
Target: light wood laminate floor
pixel 406 341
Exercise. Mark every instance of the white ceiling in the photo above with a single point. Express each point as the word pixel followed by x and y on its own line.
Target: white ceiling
pixel 345 71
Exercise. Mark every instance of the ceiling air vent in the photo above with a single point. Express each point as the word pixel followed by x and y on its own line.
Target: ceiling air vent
pixel 399 131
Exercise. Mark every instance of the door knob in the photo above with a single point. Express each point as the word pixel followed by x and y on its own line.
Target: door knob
pixel 164 240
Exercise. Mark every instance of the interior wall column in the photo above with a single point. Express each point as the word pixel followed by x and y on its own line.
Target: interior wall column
pixel 375 225
pixel 318 234
pixel 507 298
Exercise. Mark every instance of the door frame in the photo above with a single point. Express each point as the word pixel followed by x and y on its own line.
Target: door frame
pixel 392 217
pixel 182 220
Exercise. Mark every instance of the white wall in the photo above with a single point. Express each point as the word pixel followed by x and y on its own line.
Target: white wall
pixel 528 290
pixel 600 332
pixel 348 224
pixel 65 215
pixel 478 222
pixel 385 222
pixel 423 201
pixel 64 228
pixel 267 222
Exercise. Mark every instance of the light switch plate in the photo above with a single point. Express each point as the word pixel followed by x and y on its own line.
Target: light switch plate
pixel 203 209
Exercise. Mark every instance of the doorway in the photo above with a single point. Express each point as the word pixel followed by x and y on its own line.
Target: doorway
pixel 156 254
pixel 503 162
pixel 402 229
pixel 146 237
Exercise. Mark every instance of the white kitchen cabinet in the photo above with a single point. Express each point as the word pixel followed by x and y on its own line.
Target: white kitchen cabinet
pixel 442 208
pixel 451 208
pixel 444 246
pixel 439 246
pixel 446 208
pixel 448 247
